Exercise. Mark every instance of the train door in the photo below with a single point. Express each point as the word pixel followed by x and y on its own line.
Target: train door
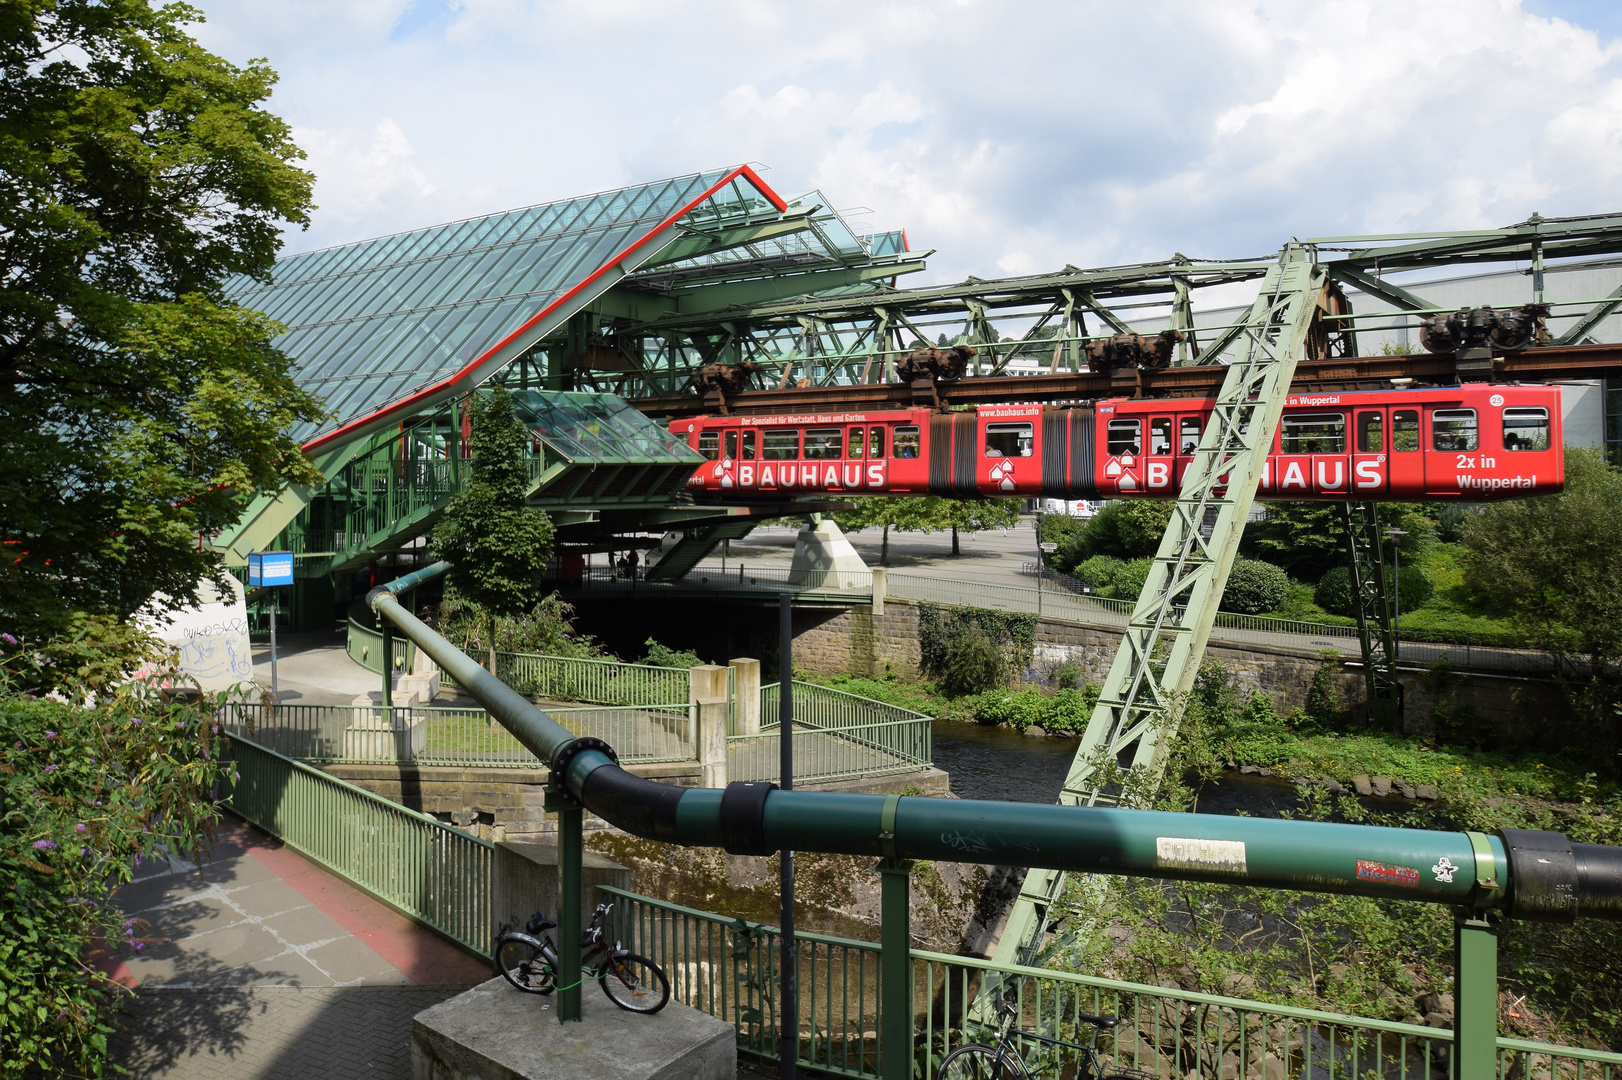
pixel 1312 455
pixel 1455 459
pixel 1160 457
pixel 1405 469
pixel 1009 457
pixel 1123 456
pixel 1369 454
pixel 1188 440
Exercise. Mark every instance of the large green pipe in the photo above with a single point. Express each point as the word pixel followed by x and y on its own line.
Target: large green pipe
pixel 1537 875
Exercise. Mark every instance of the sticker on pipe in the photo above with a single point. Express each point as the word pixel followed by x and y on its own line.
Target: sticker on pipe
pixel 1206 856
pixel 1406 877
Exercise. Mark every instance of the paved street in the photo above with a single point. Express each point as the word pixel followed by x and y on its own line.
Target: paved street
pixel 260 965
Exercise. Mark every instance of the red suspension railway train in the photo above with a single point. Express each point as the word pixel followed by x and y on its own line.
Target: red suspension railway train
pixel 1471 443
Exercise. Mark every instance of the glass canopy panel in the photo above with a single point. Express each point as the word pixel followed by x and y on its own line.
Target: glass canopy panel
pixel 370 323
pixel 590 428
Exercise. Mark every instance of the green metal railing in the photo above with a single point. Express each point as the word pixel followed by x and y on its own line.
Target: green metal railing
pixel 606 682
pixel 364 643
pixel 429 871
pixel 844 735
pixel 728 968
pixel 360 734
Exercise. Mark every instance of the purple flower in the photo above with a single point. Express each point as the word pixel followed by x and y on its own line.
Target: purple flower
pixel 136 721
pixel 45 845
pixel 236 777
pixel 84 852
pixel 79 828
pixel 50 768
pixel 137 946
pixel 8 639
pixel 50 735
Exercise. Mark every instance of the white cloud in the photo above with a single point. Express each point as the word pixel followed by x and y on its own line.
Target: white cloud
pixel 1010 137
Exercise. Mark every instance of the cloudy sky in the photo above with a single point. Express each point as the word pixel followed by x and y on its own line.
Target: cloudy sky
pixel 1012 137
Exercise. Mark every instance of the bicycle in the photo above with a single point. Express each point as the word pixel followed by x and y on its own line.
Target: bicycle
pixel 529 962
pixel 977 1061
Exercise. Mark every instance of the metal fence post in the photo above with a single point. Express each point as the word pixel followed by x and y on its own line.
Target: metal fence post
pixel 1475 996
pixel 895 970
pixel 387 700
pixel 570 842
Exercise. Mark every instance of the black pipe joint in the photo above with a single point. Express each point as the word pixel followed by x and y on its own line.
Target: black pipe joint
pixel 743 817
pixel 1556 881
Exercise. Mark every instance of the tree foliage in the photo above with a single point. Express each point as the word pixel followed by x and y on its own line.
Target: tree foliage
pixel 1254 587
pixel 927 513
pixel 1553 564
pixel 1123 529
pixel 137 173
pixel 1333 592
pixel 1308 538
pixel 86 793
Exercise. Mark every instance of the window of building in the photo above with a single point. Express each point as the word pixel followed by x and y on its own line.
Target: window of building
pixel 709 444
pixel 1160 435
pixel 906 441
pixel 1314 433
pixel 1526 429
pixel 783 444
pixel 1370 432
pixel 824 444
pixel 1125 437
pixel 1010 440
pixel 1453 429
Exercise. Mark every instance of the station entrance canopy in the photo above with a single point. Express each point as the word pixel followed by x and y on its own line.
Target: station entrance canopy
pixel 390 331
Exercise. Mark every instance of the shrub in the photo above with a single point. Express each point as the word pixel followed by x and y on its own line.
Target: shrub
pixel 1067 676
pixel 1129 579
pixel 664 656
pixel 1334 591
pixel 1066 711
pixel 1254 587
pixel 971 662
pixel 1098 571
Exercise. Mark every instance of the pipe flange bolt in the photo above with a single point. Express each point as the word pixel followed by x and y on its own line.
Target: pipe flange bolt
pixel 567 752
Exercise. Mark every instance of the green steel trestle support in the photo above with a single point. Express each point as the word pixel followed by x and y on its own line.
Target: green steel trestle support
pixel 1365 545
pixel 1160 653
pixel 895 970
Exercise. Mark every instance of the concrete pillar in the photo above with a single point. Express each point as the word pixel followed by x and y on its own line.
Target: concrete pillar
pixel 706 681
pixel 746 696
pixel 881 588
pixel 824 559
pixel 711 714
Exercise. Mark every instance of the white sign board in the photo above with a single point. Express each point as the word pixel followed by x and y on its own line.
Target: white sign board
pixel 211 637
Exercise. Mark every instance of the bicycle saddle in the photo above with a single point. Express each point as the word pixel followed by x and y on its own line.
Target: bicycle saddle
pixel 1103 1023
pixel 538 923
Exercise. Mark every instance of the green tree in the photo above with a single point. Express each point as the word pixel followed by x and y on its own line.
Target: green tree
pixel 139 410
pixel 496 544
pixel 1308 538
pixel 927 513
pixel 978 515
pixel 1553 563
pixel 1123 529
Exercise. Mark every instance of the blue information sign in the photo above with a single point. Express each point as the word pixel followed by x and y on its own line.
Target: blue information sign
pixel 270 568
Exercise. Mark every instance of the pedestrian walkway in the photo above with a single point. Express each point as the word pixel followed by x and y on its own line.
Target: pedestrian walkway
pixel 258 964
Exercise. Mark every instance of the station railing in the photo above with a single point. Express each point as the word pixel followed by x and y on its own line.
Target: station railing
pixel 727 967
pixel 605 682
pixel 429 871
pixel 370 734
pixel 837 736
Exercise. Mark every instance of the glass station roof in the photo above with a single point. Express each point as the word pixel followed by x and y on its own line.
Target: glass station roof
pixel 372 323
pixel 598 428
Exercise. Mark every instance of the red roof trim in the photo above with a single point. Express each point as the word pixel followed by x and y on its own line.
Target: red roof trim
pixel 744 171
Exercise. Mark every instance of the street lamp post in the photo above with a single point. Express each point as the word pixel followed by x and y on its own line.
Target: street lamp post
pixel 1395 536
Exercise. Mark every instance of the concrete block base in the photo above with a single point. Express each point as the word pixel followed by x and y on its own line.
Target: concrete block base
pixel 493 1032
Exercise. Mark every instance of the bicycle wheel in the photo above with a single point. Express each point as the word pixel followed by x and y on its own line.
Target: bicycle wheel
pixel 634 982
pixel 978 1062
pixel 521 962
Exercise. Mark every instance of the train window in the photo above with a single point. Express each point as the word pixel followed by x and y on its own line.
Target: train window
pixel 1453 429
pixel 709 444
pixel 1188 433
pixel 1125 437
pixel 1370 432
pixel 1160 435
pixel 782 445
pixel 1405 430
pixel 1315 433
pixel 906 441
pixel 1526 429
pixel 824 444
pixel 855 443
pixel 749 446
pixel 731 443
pixel 875 443
pixel 1010 440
